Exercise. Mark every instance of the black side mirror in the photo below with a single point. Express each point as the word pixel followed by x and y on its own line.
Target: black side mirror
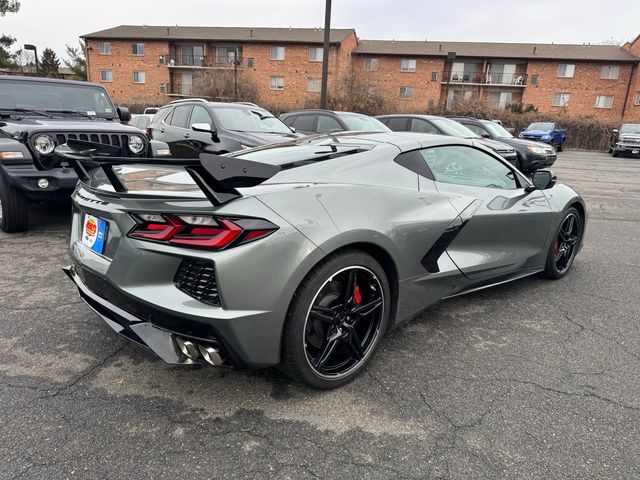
pixel 543 180
pixel 206 128
pixel 123 114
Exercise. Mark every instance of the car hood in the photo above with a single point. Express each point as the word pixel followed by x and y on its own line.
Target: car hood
pixel 519 142
pixel 493 144
pixel 26 126
pixel 255 139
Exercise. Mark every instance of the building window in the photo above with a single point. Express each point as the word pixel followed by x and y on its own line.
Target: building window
pixel 138 77
pixel 137 49
pixel 104 48
pixel 566 70
pixel 106 75
pixel 533 80
pixel 430 104
pixel 276 53
pixel 408 65
pixel 604 101
pixel 610 72
pixel 637 102
pixel 315 54
pixel 434 76
pixel 314 84
pixel 276 83
pixel 370 63
pixel 250 62
pixel 406 92
pixel 561 99
pixel 370 90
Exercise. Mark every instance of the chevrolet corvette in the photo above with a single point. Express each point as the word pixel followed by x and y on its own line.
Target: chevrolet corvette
pixel 303 255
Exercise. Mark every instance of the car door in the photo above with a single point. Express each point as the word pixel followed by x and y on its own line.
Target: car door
pixel 176 133
pixel 198 142
pixel 505 229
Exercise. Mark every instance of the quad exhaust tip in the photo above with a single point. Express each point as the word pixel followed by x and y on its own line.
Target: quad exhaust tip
pixel 196 351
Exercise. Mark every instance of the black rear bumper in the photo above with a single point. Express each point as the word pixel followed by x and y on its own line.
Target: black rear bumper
pixel 144 324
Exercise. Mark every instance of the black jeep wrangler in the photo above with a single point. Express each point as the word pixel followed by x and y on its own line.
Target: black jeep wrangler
pixel 39 114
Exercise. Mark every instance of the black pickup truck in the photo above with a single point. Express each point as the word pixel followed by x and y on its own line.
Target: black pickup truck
pixel 39 114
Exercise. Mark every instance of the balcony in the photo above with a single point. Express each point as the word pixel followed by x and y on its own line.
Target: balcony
pixel 481 78
pixel 204 61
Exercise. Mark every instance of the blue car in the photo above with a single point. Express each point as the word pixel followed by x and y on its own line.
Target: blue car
pixel 546 132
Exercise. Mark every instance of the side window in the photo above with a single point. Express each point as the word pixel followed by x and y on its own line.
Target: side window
pixel 200 115
pixel 419 125
pixel 161 115
pixel 180 117
pixel 462 165
pixel 476 129
pixel 398 124
pixel 327 124
pixel 304 123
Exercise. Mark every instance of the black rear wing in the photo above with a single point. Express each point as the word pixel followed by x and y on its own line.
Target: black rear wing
pixel 217 176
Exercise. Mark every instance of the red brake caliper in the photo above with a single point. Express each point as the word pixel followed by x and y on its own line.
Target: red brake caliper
pixel 357 298
pixel 555 246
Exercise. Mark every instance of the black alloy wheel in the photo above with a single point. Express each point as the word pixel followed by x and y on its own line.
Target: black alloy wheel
pixel 565 245
pixel 336 320
pixel 343 321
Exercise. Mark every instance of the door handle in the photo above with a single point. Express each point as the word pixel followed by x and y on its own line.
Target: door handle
pixel 186 135
pixel 162 130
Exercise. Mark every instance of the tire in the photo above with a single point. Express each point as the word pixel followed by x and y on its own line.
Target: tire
pixel 557 265
pixel 313 330
pixel 560 147
pixel 615 153
pixel 14 207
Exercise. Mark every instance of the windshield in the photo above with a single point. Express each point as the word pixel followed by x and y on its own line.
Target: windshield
pixel 630 128
pixel 253 120
pixel 53 96
pixel 540 127
pixel 497 130
pixel 362 123
pixel 453 128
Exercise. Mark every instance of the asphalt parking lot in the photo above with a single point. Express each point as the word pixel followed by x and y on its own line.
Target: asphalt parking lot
pixel 535 379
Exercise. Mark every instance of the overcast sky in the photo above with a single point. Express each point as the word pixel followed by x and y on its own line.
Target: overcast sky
pixel 54 23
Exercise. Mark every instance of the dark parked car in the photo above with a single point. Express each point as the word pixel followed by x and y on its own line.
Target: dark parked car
pixel 547 132
pixel 531 155
pixel 193 126
pixel 625 140
pixel 37 115
pixel 310 122
pixel 444 126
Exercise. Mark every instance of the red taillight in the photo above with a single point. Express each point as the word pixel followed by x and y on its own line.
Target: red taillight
pixel 216 234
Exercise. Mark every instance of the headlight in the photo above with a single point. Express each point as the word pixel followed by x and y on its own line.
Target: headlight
pixel 136 144
pixel 521 135
pixel 44 144
pixel 546 137
pixel 538 150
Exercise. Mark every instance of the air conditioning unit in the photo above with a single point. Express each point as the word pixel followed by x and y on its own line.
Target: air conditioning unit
pixel 161 60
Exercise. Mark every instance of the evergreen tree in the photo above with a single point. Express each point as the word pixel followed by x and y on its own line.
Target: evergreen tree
pixel 9 6
pixel 49 63
pixel 7 59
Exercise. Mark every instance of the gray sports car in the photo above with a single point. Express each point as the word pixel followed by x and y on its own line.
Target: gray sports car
pixel 304 254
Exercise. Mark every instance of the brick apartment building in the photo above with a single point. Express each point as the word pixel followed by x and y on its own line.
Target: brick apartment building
pixel 154 64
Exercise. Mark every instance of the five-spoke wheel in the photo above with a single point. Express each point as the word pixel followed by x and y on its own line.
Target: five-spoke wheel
pixel 336 320
pixel 565 245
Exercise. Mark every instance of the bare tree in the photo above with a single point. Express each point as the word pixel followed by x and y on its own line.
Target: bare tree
pixel 220 85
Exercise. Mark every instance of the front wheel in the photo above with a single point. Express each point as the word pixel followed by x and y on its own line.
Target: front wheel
pixel 560 147
pixel 336 320
pixel 14 207
pixel 564 247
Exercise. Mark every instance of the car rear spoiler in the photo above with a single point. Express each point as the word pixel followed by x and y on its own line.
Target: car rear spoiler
pixel 217 176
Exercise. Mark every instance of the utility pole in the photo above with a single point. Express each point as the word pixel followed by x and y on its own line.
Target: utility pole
pixel 235 75
pixel 325 54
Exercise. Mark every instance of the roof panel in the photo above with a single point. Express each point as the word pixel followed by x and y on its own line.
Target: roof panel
pixel 230 34
pixel 530 51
